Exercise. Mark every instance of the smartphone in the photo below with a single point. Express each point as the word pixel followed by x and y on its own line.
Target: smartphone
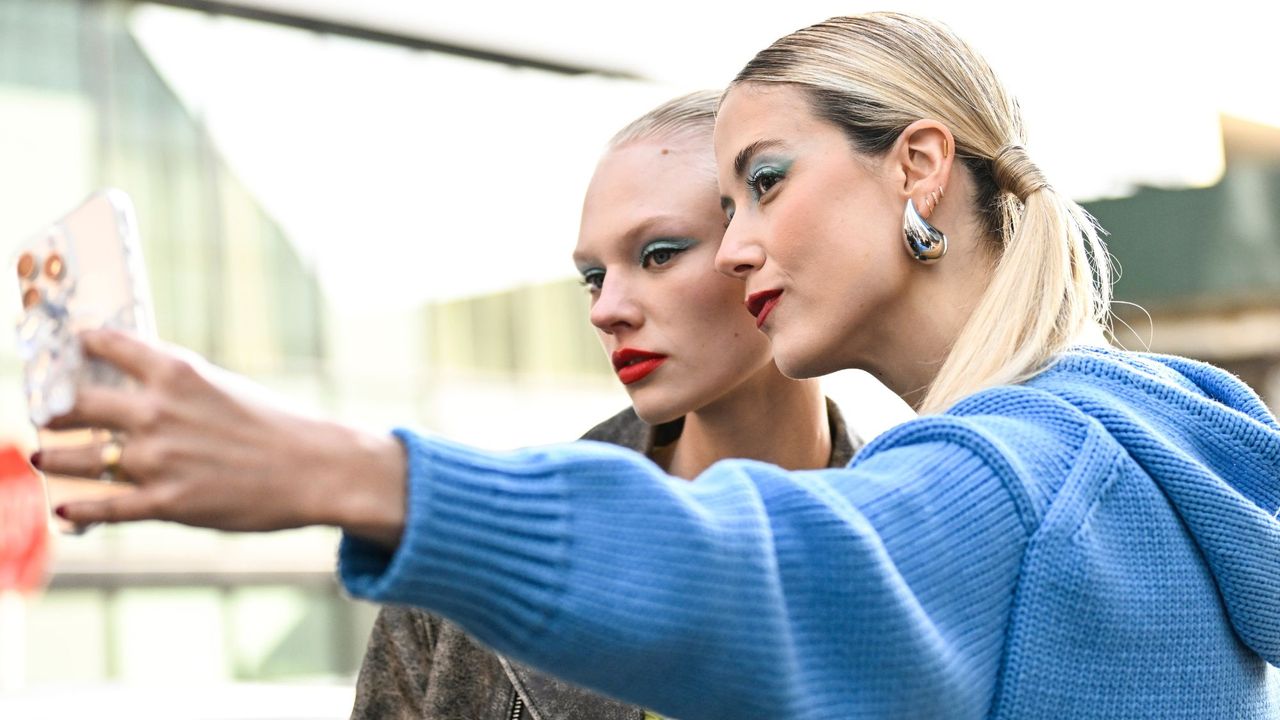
pixel 84 271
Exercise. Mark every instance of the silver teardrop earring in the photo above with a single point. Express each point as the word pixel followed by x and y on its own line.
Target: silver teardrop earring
pixel 925 242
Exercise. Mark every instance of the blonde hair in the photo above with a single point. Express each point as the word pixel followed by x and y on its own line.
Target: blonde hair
pixel 686 115
pixel 873 75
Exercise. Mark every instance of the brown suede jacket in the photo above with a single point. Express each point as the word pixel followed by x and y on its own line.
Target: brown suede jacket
pixel 420 667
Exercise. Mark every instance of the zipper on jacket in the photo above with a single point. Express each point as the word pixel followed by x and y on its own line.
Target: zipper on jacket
pixel 517 708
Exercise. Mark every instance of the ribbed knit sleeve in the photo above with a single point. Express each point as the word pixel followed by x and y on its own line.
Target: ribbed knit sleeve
pixel 881 590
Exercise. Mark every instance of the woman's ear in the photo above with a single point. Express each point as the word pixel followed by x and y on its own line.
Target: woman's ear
pixel 924 154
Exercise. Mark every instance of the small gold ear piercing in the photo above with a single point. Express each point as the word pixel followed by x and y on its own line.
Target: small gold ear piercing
pixel 934 198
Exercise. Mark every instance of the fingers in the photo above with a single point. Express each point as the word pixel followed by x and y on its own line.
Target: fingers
pixel 86 461
pixel 104 407
pixel 125 351
pixel 140 504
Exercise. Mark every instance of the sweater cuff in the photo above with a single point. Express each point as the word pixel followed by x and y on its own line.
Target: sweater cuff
pixel 484 540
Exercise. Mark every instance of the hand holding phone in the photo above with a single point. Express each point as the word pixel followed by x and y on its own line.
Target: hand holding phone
pixel 82 272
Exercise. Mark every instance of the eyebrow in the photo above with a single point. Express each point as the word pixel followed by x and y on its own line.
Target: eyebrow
pixel 740 162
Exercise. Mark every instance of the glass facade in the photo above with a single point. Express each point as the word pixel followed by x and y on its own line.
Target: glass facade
pixel 81 107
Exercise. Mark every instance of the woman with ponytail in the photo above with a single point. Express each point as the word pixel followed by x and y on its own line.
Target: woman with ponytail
pixel 1068 530
pixel 1026 275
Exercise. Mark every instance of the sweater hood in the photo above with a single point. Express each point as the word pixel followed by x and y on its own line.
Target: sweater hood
pixel 1213 448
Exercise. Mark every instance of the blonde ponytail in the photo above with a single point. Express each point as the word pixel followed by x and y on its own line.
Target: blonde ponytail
pixel 873 75
pixel 1042 298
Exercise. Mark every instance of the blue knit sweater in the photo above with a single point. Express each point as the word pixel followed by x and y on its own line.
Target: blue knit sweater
pixel 1100 542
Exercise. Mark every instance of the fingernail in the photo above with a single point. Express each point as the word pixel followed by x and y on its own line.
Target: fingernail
pixel 61 511
pixel 35 459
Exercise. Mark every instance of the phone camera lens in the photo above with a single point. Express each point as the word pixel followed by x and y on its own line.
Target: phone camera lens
pixel 27 266
pixel 54 267
pixel 30 298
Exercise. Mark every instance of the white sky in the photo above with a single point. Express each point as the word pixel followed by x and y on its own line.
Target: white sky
pixel 426 177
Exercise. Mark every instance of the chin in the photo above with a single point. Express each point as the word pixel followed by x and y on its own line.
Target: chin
pixel 800 362
pixel 656 411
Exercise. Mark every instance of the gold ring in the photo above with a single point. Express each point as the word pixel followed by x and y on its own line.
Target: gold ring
pixel 111 454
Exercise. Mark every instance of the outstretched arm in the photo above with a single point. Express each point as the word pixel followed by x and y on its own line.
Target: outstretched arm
pixel 878 591
pixel 882 590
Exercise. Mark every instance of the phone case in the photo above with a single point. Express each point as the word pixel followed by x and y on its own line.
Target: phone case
pixel 84 271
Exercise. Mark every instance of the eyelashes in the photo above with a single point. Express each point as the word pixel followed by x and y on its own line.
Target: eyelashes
pixel 763 178
pixel 663 251
pixel 592 279
pixel 760 182
pixel 654 255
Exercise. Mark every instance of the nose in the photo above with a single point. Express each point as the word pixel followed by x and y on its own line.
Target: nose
pixel 615 308
pixel 740 254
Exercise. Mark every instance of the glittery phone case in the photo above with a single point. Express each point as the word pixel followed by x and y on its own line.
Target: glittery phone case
pixel 83 271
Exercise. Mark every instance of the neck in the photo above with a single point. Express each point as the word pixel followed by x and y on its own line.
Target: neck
pixel 769 418
pixel 939 302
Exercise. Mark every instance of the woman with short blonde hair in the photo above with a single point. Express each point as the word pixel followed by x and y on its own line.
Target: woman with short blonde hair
pixel 698 375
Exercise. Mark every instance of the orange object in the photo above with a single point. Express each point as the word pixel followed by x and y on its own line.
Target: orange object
pixel 24 527
pixel 27 266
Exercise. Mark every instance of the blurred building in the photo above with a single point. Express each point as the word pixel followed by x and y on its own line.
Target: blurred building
pixel 81 108
pixel 1200 268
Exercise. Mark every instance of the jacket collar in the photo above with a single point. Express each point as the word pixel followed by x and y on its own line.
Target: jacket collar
pixel 540 690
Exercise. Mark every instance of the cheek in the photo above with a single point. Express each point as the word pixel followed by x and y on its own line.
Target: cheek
pixel 719 303
pixel 836 240
pixel 723 332
pixel 801 232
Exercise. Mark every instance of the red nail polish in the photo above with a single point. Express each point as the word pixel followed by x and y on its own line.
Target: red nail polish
pixel 35 459
pixel 61 511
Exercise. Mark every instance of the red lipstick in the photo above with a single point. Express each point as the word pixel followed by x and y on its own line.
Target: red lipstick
pixel 761 304
pixel 635 365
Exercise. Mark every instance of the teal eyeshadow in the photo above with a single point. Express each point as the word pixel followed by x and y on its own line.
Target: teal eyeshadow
pixel 776 165
pixel 677 244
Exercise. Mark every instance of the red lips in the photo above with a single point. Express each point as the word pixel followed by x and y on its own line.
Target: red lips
pixel 635 365
pixel 761 304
